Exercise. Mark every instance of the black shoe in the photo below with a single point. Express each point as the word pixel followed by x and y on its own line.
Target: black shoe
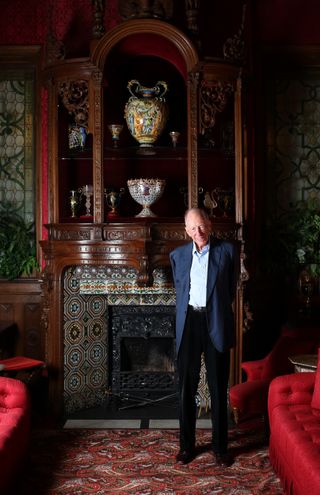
pixel 225 460
pixel 185 456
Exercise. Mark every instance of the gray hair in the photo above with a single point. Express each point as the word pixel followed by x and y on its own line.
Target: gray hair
pixel 200 211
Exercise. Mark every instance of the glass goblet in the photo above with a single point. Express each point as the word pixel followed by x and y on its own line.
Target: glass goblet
pixel 174 137
pixel 115 130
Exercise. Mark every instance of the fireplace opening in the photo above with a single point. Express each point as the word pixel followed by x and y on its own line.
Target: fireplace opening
pixel 153 354
pixel 143 350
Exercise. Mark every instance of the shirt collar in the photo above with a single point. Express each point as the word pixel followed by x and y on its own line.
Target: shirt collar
pixel 205 249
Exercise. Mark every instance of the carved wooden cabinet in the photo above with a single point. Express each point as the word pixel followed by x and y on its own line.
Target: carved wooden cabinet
pixel 205 168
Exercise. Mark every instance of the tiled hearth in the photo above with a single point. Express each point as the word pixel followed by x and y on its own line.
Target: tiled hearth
pixel 159 424
pixel 127 414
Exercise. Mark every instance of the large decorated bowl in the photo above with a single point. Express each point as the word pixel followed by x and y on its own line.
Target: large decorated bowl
pixel 146 192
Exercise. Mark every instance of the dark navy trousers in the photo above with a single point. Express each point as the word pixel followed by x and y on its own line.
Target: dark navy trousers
pixel 195 341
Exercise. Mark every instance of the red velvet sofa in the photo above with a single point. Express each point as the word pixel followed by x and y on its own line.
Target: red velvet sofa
pixel 294 418
pixel 14 430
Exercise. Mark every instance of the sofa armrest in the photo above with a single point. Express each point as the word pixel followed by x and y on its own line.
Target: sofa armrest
pixel 254 369
pixel 293 389
pixel 13 394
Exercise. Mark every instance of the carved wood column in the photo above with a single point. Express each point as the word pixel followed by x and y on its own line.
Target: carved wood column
pixel 97 129
pixel 53 209
pixel 193 81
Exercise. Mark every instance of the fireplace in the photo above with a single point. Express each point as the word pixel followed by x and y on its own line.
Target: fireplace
pixel 100 301
pixel 142 346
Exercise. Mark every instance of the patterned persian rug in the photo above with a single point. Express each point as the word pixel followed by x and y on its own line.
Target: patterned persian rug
pixel 142 462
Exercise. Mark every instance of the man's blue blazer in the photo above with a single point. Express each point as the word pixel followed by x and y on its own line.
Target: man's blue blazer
pixel 221 285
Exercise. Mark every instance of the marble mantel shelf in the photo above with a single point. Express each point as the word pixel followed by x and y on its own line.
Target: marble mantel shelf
pixel 128 295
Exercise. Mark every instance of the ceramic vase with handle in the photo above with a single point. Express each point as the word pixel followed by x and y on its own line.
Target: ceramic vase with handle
pixel 146 112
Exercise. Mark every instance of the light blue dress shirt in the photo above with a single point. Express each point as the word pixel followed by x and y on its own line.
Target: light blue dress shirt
pixel 198 277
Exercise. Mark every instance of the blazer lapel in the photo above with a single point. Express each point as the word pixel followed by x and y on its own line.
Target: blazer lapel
pixel 185 275
pixel 214 261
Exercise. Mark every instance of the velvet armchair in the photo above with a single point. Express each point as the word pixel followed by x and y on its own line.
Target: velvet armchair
pixel 250 398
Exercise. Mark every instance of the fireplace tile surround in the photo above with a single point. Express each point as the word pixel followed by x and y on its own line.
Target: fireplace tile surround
pixel 89 294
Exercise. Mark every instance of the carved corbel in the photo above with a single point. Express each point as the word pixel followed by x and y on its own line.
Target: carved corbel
pixel 74 96
pixel 213 99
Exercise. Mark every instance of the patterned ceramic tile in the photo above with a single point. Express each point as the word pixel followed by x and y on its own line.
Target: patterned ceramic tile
pixel 88 291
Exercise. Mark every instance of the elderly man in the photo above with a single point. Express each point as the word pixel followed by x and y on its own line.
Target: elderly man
pixel 204 273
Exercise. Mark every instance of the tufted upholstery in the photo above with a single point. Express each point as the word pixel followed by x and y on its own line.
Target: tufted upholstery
pixel 315 403
pixel 250 398
pixel 294 447
pixel 14 429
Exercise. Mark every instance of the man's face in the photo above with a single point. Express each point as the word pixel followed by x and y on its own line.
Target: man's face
pixel 198 229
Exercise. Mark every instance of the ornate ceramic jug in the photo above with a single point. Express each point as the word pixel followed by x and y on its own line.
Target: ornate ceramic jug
pixel 146 111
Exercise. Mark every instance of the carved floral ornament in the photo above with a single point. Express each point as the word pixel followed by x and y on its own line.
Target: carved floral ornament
pixel 234 47
pixel 159 9
pixel 74 95
pixel 213 98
